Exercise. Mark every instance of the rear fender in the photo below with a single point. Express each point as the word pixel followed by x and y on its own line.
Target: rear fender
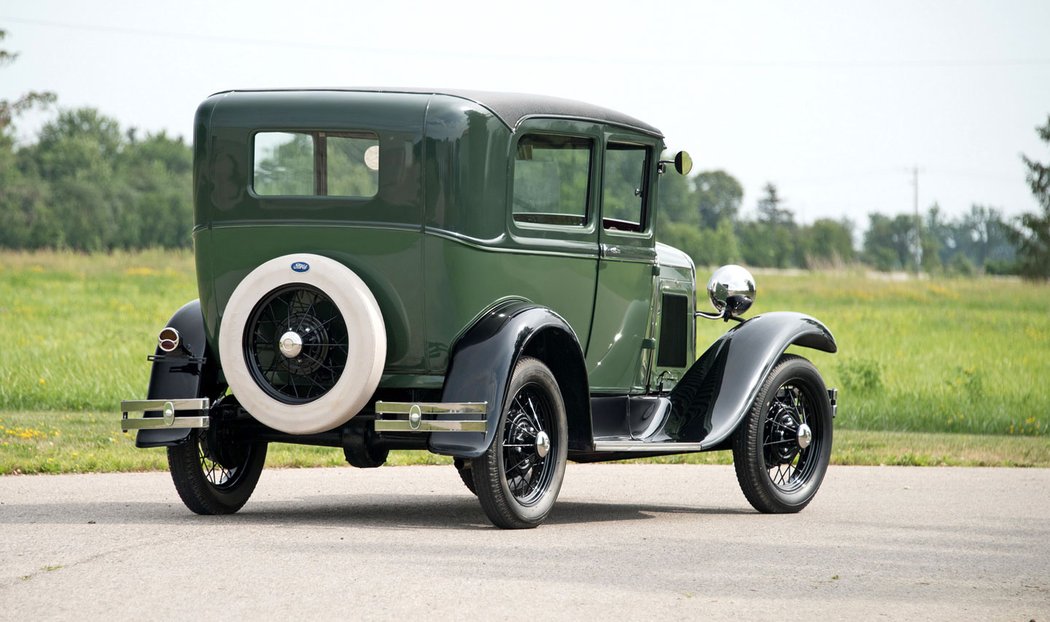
pixel 186 374
pixel 715 394
pixel 483 360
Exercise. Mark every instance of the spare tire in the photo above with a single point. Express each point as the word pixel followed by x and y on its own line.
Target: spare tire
pixel 302 343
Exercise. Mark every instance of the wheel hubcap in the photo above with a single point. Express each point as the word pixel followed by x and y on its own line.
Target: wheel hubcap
pixel 291 344
pixel 543 444
pixel 805 436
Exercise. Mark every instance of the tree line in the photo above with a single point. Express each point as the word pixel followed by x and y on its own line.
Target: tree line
pixel 703 216
pixel 86 184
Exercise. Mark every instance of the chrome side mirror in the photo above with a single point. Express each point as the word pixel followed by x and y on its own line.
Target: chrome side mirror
pixel 682 163
pixel 732 292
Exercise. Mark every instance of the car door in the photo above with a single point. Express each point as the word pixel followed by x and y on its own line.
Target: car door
pixel 621 344
pixel 554 220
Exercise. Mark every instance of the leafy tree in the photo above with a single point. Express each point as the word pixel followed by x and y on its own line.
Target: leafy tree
pixel 158 176
pixel 86 185
pixel 827 242
pixel 23 198
pixel 718 196
pixel 888 241
pixel 1032 236
pixel 707 247
pixel 78 154
pixel 10 109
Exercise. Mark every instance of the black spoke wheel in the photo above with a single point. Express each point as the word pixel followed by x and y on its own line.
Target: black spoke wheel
pixel 213 476
pixel 518 479
pixel 296 344
pixel 782 448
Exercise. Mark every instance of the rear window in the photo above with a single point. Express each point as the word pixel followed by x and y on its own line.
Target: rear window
pixel 332 164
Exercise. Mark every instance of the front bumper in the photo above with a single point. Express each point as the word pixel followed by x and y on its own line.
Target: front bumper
pixel 168 410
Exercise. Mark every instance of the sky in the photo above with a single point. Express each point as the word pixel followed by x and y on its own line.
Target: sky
pixel 835 102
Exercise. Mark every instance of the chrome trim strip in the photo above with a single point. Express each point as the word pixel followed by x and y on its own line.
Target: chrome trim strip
pixel 159 422
pixel 432 408
pixel 644 447
pixel 416 423
pixel 168 408
pixel 195 403
pixel 430 425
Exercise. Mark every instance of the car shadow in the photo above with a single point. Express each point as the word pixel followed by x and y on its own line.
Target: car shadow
pixel 367 512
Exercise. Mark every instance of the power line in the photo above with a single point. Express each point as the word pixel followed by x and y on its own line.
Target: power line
pixel 718 63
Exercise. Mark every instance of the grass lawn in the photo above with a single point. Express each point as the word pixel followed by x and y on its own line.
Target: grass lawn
pixel 938 371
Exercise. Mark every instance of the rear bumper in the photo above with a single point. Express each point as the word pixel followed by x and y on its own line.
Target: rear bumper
pixel 431 416
pixel 160 414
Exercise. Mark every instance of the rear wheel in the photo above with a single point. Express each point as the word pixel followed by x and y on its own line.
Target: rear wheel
pixel 518 479
pixel 782 449
pixel 466 474
pixel 213 477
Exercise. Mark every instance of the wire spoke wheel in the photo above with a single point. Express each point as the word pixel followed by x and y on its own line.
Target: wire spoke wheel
pixel 787 428
pixel 782 448
pixel 296 344
pixel 526 445
pixel 518 479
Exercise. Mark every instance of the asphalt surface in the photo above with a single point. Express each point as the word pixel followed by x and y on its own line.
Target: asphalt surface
pixel 625 542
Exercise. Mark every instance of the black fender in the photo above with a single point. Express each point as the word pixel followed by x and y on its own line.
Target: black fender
pixel 483 360
pixel 715 394
pixel 186 374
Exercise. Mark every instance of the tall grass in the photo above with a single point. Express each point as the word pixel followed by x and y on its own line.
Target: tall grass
pixel 943 355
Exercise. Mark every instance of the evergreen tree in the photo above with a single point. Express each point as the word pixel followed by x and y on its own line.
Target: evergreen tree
pixel 1032 236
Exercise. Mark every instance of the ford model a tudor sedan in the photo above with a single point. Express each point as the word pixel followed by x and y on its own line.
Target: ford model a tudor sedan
pixel 474 274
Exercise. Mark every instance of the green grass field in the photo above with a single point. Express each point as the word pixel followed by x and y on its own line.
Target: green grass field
pixel 948 358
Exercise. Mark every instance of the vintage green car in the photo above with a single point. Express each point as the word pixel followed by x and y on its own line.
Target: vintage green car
pixel 474 274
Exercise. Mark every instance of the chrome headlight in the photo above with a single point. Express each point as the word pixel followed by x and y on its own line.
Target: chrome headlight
pixel 732 290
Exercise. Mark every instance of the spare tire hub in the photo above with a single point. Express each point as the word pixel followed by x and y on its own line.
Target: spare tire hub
pixel 291 344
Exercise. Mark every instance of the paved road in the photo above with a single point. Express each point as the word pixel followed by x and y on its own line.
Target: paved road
pixel 624 542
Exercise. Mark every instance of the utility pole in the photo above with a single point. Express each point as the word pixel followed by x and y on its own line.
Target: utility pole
pixel 918 219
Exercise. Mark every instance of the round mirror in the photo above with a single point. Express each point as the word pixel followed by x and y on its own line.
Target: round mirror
pixel 731 289
pixel 683 163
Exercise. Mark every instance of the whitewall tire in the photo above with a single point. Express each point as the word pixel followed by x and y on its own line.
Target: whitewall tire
pixel 302 343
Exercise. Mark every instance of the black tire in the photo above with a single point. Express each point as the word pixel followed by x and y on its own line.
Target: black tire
pixel 779 472
pixel 466 474
pixel 518 478
pixel 209 483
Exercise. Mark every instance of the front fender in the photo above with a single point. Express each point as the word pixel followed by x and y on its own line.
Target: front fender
pixel 715 394
pixel 483 360
pixel 180 376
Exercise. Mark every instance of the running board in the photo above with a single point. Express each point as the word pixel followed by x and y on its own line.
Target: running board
pixel 644 447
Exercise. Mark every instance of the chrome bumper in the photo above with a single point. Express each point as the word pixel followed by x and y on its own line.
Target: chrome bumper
pixel 168 418
pixel 430 417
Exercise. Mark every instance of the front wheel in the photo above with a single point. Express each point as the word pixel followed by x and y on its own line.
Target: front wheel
pixel 518 479
pixel 212 477
pixel 782 448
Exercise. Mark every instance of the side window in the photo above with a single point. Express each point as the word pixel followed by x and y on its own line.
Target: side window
pixel 334 164
pixel 551 180
pixel 625 189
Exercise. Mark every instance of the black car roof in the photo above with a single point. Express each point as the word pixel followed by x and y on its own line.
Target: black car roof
pixel 511 108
